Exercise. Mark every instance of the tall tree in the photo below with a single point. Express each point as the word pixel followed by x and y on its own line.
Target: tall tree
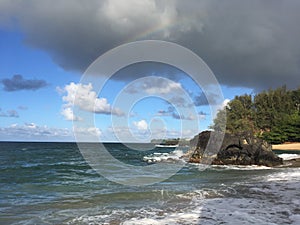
pixel 272 114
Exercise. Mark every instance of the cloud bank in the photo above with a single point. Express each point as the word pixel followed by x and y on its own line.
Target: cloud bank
pixel 252 44
pixel 32 131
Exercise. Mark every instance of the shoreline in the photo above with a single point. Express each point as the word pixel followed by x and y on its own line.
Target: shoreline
pixel 287 146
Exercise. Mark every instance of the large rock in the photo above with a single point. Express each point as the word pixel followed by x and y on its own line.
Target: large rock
pixel 243 149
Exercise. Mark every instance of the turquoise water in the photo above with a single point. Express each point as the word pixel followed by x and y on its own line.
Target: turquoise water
pixel 51 183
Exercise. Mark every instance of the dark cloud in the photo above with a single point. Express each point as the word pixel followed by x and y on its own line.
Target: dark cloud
pixel 17 83
pixel 179 101
pixel 172 112
pixel 22 107
pixel 201 99
pixel 9 113
pixel 167 112
pixel 252 44
pixel 201 113
pixel 144 69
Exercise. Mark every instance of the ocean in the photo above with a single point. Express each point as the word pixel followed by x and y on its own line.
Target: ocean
pixel 51 183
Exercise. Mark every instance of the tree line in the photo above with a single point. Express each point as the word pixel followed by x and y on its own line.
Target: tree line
pixel 273 115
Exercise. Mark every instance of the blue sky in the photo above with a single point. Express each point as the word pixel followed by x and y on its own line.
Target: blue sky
pixel 43 60
pixel 42 107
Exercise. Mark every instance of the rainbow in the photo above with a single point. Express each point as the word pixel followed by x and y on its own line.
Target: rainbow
pixel 161 27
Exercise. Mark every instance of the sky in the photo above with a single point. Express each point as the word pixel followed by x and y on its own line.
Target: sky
pixel 46 49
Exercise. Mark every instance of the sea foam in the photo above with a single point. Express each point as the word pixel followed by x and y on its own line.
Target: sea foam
pixel 164 157
pixel 286 156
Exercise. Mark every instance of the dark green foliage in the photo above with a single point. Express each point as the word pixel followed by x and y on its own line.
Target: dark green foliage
pixel 220 121
pixel 274 115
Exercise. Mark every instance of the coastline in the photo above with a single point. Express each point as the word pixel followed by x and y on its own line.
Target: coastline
pixel 287 146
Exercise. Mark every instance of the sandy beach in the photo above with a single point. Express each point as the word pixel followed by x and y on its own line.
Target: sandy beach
pixel 287 146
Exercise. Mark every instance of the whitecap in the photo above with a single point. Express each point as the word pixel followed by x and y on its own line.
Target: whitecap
pixel 286 156
pixel 286 175
pixel 164 157
pixel 240 167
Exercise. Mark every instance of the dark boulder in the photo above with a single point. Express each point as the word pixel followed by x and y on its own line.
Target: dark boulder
pixel 243 149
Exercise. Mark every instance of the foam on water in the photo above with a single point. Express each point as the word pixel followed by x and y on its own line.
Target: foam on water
pixel 240 167
pixel 270 199
pixel 293 174
pixel 286 156
pixel 56 187
pixel 206 211
pixel 164 157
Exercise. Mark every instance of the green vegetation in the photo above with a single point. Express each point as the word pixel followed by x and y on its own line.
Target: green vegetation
pixel 172 141
pixel 273 115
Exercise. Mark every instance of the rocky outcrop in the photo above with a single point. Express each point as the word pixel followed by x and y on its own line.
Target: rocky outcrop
pixel 243 149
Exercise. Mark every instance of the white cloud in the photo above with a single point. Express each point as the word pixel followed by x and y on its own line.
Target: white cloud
pixel 225 103
pixel 173 133
pixel 221 106
pixel 88 131
pixel 141 125
pixel 86 99
pixel 69 114
pixel 32 131
pixel 155 86
pixel 126 134
pixel 31 125
pixel 163 88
